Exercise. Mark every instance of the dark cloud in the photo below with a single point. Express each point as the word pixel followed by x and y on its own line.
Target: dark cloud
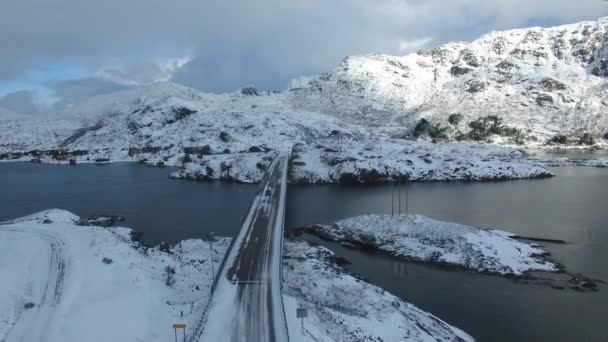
pixel 236 42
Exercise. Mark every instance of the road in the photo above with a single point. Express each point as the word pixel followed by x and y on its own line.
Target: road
pixel 33 324
pixel 249 281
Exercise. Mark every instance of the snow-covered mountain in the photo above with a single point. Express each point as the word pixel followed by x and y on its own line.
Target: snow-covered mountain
pixel 545 81
pixel 234 136
pixel 352 124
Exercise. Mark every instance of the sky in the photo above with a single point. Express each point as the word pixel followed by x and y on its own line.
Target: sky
pixel 55 53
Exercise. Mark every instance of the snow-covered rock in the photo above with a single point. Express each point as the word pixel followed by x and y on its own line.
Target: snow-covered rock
pixel 421 238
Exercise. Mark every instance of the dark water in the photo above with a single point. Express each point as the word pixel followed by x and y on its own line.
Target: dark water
pixel 164 209
pixel 571 154
pixel 570 207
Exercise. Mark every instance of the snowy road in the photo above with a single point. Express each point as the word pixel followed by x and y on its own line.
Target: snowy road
pixel 247 303
pixel 33 324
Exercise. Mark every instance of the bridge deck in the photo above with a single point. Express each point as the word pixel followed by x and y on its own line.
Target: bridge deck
pixel 247 303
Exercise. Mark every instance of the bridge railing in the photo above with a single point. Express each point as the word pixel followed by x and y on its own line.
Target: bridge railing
pixel 284 201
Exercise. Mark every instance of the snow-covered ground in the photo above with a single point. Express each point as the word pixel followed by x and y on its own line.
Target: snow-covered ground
pixel 380 159
pixel 91 283
pixel 372 161
pixel 421 238
pixel 345 308
pixel 64 282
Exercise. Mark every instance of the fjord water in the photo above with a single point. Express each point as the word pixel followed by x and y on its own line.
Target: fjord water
pixel 570 207
pixel 161 208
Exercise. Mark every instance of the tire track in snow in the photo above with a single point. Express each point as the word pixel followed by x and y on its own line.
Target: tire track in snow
pixel 33 324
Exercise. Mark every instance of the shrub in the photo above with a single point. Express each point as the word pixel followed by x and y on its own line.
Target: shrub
pixel 224 136
pixel 186 158
pixel 182 112
pixel 422 127
pixel 250 91
pixel 518 137
pixel 559 139
pixel 438 132
pixel 483 127
pixel 587 139
pixel 170 280
pixel 455 119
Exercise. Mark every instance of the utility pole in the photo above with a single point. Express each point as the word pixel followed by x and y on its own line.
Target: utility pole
pixel 406 201
pixel 211 238
pixel 399 191
pixel 393 197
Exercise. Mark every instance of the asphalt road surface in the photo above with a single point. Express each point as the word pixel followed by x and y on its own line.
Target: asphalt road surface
pixel 253 266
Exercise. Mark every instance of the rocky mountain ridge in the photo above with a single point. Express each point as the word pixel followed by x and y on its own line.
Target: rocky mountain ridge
pixel 544 81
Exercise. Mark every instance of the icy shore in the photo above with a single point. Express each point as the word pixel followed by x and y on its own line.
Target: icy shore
pixel 100 277
pixel 420 238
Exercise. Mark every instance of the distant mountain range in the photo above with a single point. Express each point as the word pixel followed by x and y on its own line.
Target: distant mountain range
pixel 533 86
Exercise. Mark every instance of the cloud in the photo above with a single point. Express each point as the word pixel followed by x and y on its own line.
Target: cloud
pixel 143 73
pixel 68 93
pixel 233 43
pixel 22 101
pixel 300 81
pixel 407 46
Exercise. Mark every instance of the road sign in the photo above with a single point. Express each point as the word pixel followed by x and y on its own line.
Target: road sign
pixel 301 312
pixel 179 326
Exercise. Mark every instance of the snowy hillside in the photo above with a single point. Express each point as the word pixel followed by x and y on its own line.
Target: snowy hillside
pixel 233 137
pixel 543 81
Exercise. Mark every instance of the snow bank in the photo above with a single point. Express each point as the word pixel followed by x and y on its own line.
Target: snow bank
pixel 344 308
pixel 421 238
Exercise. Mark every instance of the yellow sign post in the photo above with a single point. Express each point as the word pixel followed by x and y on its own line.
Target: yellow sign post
pixel 179 326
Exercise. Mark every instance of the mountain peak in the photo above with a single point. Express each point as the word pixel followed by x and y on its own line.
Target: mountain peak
pixel 541 79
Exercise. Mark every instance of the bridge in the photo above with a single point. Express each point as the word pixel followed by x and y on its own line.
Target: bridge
pixel 246 302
